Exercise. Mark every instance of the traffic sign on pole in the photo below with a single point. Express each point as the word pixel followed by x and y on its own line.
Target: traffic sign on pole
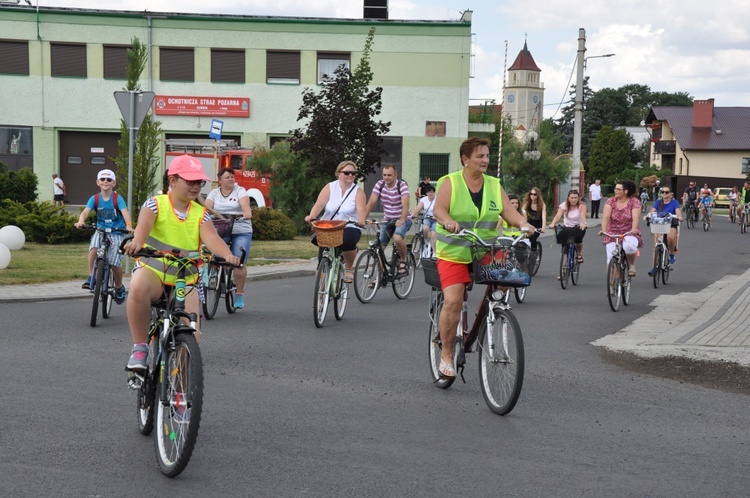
pixel 142 103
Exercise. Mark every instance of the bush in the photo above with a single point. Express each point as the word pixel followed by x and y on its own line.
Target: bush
pixel 272 224
pixel 17 185
pixel 42 222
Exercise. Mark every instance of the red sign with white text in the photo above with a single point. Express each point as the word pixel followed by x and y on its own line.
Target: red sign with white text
pixel 176 105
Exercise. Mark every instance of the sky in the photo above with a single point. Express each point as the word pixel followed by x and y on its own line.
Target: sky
pixel 701 48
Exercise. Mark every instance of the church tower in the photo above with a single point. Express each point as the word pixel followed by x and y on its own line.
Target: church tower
pixel 524 94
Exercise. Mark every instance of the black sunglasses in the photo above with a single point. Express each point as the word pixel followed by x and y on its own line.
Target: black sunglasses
pixel 193 183
pixel 349 173
pixel 106 180
pixel 666 191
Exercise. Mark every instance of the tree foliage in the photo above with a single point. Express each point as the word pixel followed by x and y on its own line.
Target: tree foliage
pixel 610 154
pixel 18 185
pixel 146 159
pixel 342 121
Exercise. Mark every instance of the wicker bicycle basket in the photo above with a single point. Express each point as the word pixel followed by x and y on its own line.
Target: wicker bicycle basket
pixel 660 225
pixel 224 226
pixel 502 264
pixel 329 233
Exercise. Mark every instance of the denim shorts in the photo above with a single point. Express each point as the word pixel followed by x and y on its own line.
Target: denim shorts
pixel 388 231
pixel 430 223
pixel 239 241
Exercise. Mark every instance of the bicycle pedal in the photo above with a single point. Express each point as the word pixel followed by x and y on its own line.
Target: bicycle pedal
pixel 135 381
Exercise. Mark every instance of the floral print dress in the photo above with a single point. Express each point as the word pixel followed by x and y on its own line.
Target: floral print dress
pixel 621 220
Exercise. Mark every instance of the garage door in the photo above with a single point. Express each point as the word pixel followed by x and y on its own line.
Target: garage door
pixel 82 155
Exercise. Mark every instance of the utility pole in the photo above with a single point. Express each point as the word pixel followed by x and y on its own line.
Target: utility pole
pixel 578 112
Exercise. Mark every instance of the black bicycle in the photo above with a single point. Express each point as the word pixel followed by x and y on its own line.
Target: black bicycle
pixel 217 278
pixel 170 390
pixel 372 270
pixel 570 266
pixel 102 277
pixel 420 247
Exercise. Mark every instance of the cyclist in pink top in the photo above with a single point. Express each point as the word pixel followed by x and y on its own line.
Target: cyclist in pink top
pixel 573 213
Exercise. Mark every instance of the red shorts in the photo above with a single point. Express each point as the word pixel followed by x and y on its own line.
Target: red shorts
pixel 453 273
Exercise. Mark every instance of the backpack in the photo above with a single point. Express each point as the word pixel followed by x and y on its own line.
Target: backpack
pixel 115 198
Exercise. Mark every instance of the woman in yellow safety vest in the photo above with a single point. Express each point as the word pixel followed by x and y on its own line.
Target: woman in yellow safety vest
pixel 466 199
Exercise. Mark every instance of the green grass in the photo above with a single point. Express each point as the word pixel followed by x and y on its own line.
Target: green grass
pixel 38 263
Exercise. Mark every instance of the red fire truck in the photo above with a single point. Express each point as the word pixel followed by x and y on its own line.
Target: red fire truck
pixel 227 155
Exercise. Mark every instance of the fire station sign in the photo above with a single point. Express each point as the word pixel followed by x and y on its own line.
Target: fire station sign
pixel 181 105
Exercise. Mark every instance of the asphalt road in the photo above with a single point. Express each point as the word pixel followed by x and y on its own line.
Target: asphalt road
pixel 349 409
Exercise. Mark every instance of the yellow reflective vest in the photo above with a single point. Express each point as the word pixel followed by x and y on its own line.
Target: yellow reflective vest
pixel 169 233
pixel 463 211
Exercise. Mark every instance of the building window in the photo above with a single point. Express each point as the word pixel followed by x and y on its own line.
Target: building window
pixel 68 59
pixel 15 140
pixel 14 57
pixel 98 160
pixel 74 160
pixel 227 66
pixel 282 67
pixel 433 165
pixel 434 129
pixel 176 64
pixel 328 62
pixel 275 139
pixel 116 62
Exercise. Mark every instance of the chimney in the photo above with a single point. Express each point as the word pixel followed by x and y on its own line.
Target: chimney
pixel 703 113
pixel 376 9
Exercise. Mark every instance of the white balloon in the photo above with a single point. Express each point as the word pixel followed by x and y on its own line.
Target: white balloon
pixel 4 256
pixel 13 237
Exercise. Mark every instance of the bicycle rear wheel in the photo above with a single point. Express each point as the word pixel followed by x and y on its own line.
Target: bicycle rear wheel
pixel 108 294
pixel 537 261
pixel 626 280
pixel 743 222
pixel 614 289
pixel 98 284
pixel 417 247
pixel 366 276
pixel 322 292
pixel 212 291
pixel 658 262
pixel 230 290
pixel 342 295
pixel 403 284
pixel 564 270
pixel 501 361
pixel 178 410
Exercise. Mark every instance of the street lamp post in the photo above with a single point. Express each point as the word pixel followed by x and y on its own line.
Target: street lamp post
pixel 531 154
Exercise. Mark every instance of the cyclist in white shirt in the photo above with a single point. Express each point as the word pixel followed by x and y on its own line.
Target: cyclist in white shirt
pixel 428 225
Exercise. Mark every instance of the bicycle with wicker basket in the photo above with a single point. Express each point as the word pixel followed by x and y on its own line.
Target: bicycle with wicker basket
pixel 372 269
pixel 330 284
pixel 500 266
pixel 660 225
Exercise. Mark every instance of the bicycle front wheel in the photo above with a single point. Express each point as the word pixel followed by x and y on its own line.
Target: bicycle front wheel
pixel 666 268
pixel 743 223
pixel 212 291
pixel 366 276
pixel 501 361
pixel 575 267
pixel 705 222
pixel 230 290
pixel 690 219
pixel 178 410
pixel 658 264
pixel 625 280
pixel 322 292
pixel 614 289
pixel 108 294
pixel 520 294
pixel 404 282
pixel 436 345
pixel 342 296
pixel 417 247
pixel 564 270
pixel 537 261
pixel 147 392
pixel 98 284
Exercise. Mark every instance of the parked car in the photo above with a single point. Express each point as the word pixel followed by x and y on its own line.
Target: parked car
pixel 721 196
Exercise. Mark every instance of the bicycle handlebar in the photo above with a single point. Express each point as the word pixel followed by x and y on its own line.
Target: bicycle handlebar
pixel 349 221
pixel 615 235
pixel 218 260
pixel 174 254
pixel 468 234
pixel 105 230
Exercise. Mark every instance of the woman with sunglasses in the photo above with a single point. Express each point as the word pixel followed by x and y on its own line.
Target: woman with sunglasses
pixel 573 213
pixel 668 204
pixel 174 220
pixel 536 213
pixel 342 199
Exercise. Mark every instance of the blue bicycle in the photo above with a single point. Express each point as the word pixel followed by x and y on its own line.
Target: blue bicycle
pixel 569 265
pixel 102 278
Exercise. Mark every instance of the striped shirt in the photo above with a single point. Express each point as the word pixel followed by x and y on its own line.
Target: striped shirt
pixel 391 198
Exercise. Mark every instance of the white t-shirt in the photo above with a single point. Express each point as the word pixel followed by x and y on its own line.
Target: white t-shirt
pixel 57 186
pixel 428 206
pixel 231 205
pixel 595 191
pixel 573 216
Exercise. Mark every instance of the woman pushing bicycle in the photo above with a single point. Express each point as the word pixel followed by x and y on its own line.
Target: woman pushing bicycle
pixel 342 199
pixel 466 199
pixel 170 221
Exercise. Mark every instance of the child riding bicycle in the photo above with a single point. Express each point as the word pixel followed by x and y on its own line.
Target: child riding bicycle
pixel 706 202
pixel 111 212
pixel 170 221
